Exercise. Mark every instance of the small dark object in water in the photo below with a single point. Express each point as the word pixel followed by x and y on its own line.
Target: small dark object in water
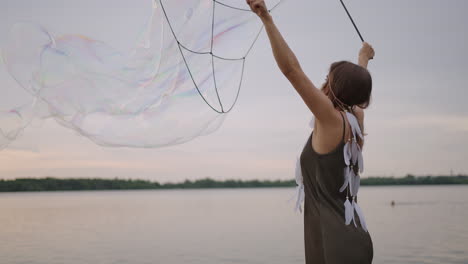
pixel 392 203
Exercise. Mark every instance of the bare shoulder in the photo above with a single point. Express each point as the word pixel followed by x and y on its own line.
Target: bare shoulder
pixel 359 113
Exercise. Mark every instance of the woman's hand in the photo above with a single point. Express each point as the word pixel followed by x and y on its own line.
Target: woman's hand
pixel 259 8
pixel 365 54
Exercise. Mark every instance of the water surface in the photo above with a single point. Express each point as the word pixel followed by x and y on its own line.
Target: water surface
pixel 428 224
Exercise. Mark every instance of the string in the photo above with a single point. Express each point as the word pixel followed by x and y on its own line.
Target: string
pixel 182 47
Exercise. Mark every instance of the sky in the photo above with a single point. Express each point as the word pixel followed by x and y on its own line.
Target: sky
pixel 417 122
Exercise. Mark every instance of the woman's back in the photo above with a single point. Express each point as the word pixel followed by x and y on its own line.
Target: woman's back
pixel 325 139
pixel 327 238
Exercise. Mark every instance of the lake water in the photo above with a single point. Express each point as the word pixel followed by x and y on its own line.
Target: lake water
pixel 428 224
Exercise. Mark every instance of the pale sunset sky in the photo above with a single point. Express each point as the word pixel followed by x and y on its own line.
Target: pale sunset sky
pixel 417 121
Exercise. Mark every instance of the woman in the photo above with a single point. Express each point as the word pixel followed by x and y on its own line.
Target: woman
pixel 331 159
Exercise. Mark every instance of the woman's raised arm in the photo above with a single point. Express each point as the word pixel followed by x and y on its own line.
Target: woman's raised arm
pixel 316 100
pixel 365 54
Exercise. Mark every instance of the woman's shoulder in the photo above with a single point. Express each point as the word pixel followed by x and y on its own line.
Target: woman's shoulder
pixel 359 112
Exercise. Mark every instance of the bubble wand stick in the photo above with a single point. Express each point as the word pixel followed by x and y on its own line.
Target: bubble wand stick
pixel 352 21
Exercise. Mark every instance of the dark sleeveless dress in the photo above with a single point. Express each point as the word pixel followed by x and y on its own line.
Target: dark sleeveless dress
pixel 328 240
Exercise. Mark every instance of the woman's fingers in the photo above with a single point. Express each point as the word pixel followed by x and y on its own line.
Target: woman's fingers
pixel 257 6
pixel 367 51
pixel 372 52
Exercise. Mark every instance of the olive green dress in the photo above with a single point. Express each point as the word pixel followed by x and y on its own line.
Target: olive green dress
pixel 328 240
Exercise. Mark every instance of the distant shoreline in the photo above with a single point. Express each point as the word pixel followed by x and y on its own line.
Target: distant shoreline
pixel 77 184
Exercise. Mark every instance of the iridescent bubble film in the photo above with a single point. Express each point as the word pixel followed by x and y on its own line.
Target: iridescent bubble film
pixel 178 82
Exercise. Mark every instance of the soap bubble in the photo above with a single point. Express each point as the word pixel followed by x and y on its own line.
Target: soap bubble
pixel 177 83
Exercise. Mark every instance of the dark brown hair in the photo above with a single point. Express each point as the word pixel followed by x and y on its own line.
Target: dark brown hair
pixel 348 85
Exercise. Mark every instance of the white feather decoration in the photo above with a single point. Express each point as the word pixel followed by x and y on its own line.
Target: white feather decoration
pixel 353 205
pixel 351 179
pixel 360 160
pixel 361 216
pixel 300 186
pixel 347 153
pixel 300 198
pixel 346 178
pixel 354 152
pixel 348 212
pixel 356 181
pixel 353 122
pixel 353 156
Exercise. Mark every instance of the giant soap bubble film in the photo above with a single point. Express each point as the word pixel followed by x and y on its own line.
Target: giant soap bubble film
pixel 178 80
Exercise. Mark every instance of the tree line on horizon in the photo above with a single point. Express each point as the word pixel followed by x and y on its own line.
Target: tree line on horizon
pixel 75 184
